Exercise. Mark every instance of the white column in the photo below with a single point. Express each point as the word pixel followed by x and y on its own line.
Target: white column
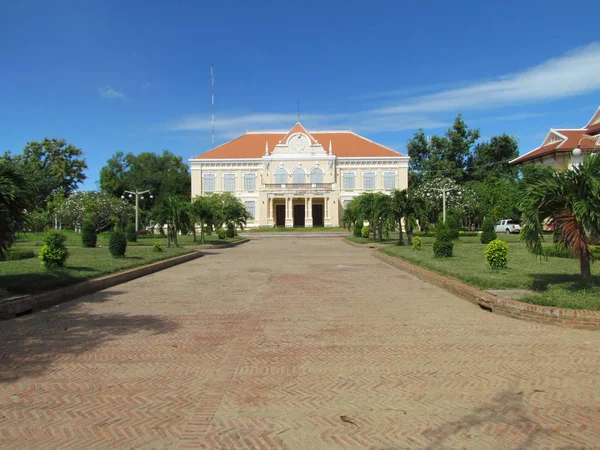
pixel 270 207
pixel 326 207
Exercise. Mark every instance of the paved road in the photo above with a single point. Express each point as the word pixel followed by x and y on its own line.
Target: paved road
pixel 268 344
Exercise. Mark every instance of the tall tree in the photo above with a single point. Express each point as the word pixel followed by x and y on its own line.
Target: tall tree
pixel 445 156
pixel 13 201
pixel 164 175
pixel 52 166
pixel 491 159
pixel 569 200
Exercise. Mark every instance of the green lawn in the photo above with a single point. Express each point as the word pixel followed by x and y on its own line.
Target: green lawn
pixel 297 230
pixel 29 277
pixel 74 240
pixel 556 280
pixel 428 240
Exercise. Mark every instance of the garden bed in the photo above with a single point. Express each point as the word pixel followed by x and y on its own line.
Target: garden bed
pixel 556 281
pixel 27 276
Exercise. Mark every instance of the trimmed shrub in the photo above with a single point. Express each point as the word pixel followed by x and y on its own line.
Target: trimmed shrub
pixel 157 247
pixel 443 246
pixel 595 251
pixel 488 232
pixel 221 233
pixel 496 253
pixel 417 242
pixel 230 230
pixel 130 233
pixel 366 230
pixel 89 237
pixel 54 253
pixel 15 254
pixel 358 226
pixel 453 226
pixel 117 244
pixel 557 252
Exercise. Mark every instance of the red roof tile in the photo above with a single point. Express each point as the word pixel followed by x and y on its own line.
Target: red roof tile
pixel 573 139
pixel 344 144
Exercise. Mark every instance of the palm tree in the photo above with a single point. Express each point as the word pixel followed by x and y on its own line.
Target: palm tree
pixel 406 205
pixel 178 216
pixel 202 213
pixel 13 201
pixel 570 200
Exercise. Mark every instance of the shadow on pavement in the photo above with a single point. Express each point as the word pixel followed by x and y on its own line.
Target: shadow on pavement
pixel 30 344
pixel 505 409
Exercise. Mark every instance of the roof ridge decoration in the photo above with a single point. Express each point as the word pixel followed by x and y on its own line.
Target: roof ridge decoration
pixel 298 128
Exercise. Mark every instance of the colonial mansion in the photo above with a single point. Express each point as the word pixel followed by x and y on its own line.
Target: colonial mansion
pixel 297 178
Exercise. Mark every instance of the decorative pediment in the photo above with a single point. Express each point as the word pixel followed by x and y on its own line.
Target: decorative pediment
pixel 299 144
pixel 553 136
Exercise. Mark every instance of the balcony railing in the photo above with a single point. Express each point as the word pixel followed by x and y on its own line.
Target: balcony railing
pixel 299 186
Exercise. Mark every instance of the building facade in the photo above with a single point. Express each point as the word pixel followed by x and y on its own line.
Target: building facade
pixel 563 148
pixel 297 178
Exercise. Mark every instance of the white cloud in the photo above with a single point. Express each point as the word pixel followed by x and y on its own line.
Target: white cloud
pixel 572 74
pixel 109 92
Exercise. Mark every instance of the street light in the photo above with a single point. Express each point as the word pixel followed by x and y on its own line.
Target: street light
pixel 138 195
pixel 578 153
pixel 444 190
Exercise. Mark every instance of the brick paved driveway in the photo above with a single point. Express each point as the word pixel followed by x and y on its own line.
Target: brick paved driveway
pixel 266 345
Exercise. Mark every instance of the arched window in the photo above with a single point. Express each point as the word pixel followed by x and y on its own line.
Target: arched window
pixel 281 176
pixel 316 176
pixel 299 175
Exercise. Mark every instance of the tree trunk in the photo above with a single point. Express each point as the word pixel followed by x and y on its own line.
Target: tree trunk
pixel 202 232
pixel 584 264
pixel 194 231
pixel 400 235
pixel 409 237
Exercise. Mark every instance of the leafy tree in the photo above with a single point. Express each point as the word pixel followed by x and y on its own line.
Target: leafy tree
pixel 13 202
pixel 201 213
pixel 570 201
pixel 445 156
pixel 406 206
pixel 491 159
pixel 164 175
pixel 52 165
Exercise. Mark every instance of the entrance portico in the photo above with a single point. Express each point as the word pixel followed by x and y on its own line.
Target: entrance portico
pixel 298 211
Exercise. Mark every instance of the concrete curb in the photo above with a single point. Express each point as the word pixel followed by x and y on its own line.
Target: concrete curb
pixel 213 246
pixel 572 318
pixel 23 305
pixel 370 245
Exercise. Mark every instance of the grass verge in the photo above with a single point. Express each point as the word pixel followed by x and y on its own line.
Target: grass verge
pixel 27 276
pixel 556 281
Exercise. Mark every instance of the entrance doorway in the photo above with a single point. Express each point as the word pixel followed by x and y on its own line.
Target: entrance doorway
pixel 299 215
pixel 280 215
pixel 317 214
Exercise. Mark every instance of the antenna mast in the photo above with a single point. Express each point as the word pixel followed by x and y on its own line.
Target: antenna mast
pixel 212 101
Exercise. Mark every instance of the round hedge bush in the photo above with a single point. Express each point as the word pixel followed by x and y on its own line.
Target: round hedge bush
pixel 496 253
pixel 117 244
pixel 221 233
pixel 230 230
pixel 54 252
pixel 488 233
pixel 443 246
pixel 358 226
pixel 416 243
pixel 130 233
pixel 89 237
pixel 365 231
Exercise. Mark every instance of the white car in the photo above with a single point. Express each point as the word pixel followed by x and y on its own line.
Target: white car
pixel 508 226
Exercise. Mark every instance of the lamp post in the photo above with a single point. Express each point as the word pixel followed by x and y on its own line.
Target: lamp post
pixel 578 153
pixel 138 195
pixel 444 190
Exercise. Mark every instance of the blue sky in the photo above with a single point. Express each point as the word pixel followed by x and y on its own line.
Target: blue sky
pixel 134 76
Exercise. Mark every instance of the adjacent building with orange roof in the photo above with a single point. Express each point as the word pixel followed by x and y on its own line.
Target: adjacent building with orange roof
pixel 298 179
pixel 563 148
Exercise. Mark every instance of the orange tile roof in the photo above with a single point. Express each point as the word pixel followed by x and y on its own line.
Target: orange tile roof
pixel 573 139
pixel 344 144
